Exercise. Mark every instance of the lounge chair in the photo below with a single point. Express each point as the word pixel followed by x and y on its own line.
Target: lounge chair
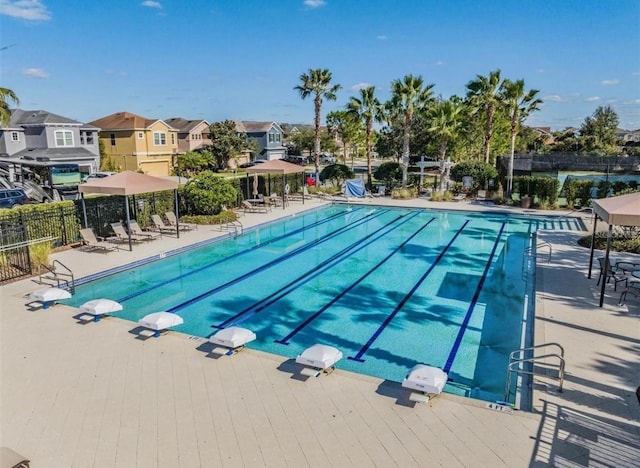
pixel 317 359
pixel 172 219
pixel 612 272
pixel 249 208
pixel 160 226
pixel 137 230
pixel 92 242
pixel 123 236
pixel 11 458
pixel 382 190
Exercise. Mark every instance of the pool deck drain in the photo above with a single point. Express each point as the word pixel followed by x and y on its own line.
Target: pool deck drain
pixel 92 394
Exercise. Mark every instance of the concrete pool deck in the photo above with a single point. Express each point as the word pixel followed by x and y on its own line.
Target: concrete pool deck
pixel 75 394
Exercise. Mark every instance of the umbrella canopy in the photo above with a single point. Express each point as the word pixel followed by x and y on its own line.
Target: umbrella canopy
pixel 319 356
pixel 160 320
pixel 425 379
pixel 233 337
pixel 100 307
pixel 128 183
pixel 277 166
pixel 620 211
pixel 50 294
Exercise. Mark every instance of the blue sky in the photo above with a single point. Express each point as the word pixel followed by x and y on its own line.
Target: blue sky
pixel 240 59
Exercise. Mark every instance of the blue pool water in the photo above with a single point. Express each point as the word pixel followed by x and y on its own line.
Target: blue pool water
pixel 389 287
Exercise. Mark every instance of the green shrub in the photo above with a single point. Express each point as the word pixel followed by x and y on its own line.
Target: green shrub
pixel 390 173
pixel 479 171
pixel 404 194
pixel 226 216
pixel 206 193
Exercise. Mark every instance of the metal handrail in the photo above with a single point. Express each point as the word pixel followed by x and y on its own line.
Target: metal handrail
pixel 70 281
pixel 560 366
pixel 538 246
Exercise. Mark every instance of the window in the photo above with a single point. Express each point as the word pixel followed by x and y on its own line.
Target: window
pixel 173 138
pixel 159 138
pixel 113 139
pixel 89 138
pixel 64 137
pixel 274 137
pixel 15 136
pixel 140 135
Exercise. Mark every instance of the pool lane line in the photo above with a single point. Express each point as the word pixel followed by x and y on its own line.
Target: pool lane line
pixel 331 262
pixel 312 317
pixel 276 261
pixel 472 305
pixel 383 325
pixel 237 254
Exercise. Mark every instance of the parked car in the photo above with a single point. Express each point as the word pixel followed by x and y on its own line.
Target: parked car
pixel 296 159
pixel 12 197
pixel 100 175
pixel 328 159
pixel 252 163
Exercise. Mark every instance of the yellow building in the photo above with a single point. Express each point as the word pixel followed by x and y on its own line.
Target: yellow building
pixel 135 143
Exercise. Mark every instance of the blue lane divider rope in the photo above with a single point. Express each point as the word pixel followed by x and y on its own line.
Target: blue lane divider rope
pixel 472 306
pixel 276 261
pixel 139 292
pixel 374 337
pixel 311 274
pixel 315 315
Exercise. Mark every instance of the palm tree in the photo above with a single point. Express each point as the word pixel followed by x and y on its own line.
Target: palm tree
pixel 317 83
pixel 445 122
pixel 346 127
pixel 367 109
pixel 484 96
pixel 519 104
pixel 6 95
pixel 408 96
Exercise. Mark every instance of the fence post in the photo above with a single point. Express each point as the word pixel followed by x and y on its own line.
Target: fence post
pixel 64 227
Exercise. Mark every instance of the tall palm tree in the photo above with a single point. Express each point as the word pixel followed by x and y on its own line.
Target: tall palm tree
pixel 445 122
pixel 317 83
pixel 485 98
pixel 519 104
pixel 6 95
pixel 367 109
pixel 408 96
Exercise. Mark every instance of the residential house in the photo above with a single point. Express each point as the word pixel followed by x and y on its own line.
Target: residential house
pixel 268 137
pixel 193 135
pixel 137 143
pixel 39 135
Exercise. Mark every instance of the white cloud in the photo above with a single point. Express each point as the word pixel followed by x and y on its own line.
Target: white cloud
pixel 609 82
pixel 359 86
pixel 540 70
pixel 314 3
pixel 32 10
pixel 35 73
pixel 151 4
pixel 592 99
pixel 382 37
pixel 440 63
pixel 554 98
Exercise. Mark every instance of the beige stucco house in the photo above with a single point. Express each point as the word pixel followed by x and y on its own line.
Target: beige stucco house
pixel 137 143
pixel 193 135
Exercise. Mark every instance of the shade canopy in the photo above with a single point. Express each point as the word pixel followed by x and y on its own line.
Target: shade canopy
pixel 128 183
pixel 277 166
pixel 619 211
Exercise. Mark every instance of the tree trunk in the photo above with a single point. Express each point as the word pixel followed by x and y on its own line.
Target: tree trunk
pixel 443 164
pixel 405 149
pixel 514 131
pixel 368 136
pixel 316 134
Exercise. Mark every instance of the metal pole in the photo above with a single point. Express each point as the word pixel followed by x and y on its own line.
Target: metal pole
pixel 593 245
pixel 605 270
pixel 126 204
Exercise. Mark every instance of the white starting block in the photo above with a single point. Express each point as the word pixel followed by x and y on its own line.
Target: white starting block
pixel 231 340
pixel 428 381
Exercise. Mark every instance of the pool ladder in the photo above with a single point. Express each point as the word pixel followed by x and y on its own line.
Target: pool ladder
pixel 55 278
pixel 235 226
pixel 524 360
pixel 540 245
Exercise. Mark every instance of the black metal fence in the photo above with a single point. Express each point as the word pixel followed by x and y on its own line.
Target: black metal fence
pixel 15 261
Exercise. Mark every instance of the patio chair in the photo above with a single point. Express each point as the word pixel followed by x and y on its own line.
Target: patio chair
pixel 172 219
pixel 92 242
pixel 137 230
pixel 632 288
pixel 123 236
pixel 611 273
pixel 249 208
pixel 382 189
pixel 160 226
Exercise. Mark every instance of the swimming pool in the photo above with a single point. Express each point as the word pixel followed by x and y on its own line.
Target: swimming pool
pixel 389 287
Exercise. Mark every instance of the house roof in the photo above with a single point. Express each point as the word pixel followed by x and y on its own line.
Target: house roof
pixel 125 121
pixel 247 126
pixel 38 117
pixel 55 154
pixel 184 125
